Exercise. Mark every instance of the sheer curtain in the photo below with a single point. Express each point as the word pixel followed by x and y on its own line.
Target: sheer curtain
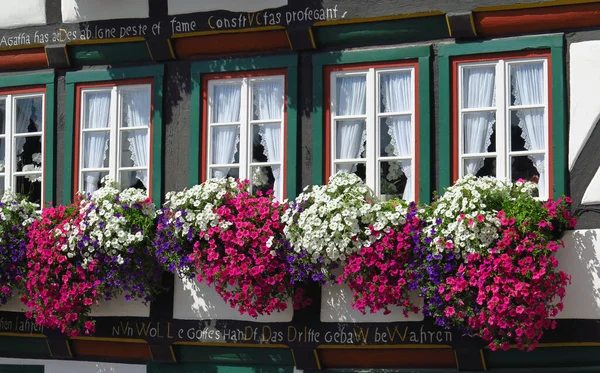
pixel 528 88
pixel 397 94
pixel 350 134
pixel 25 108
pixel 95 143
pixel 137 114
pixel 269 105
pixel 226 109
pixel 479 88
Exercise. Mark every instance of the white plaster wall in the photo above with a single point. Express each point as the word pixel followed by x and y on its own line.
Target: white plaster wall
pixel 74 11
pixel 335 307
pixel 116 307
pixel 195 6
pixel 61 366
pixel 580 258
pixel 584 59
pixel 23 13
pixel 592 194
pixel 196 301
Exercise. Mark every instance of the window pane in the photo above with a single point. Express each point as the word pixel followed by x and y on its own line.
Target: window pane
pixel 396 92
pixel 350 139
pixel 133 179
pixel 2 117
pixel 263 178
pixel 136 108
pixel 30 156
pixel 28 114
pixel 478 87
pixel 30 186
pixel 97 109
pixel 266 143
pixel 95 149
pixel 91 180
pixel 267 98
pixel 527 83
pixel 393 180
pixel 529 168
pixel 351 95
pixel 395 136
pixel 527 130
pixel 355 168
pixel 226 103
pixel 479 132
pixel 479 166
pixel 134 148
pixel 225 172
pixel 225 144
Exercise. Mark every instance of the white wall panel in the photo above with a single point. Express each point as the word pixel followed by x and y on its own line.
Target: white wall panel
pixel 61 366
pixel 194 6
pixel 23 13
pixel 74 11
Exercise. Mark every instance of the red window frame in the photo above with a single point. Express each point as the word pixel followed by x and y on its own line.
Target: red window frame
pixel 362 66
pixel 108 84
pixel 456 61
pixel 39 89
pixel 238 75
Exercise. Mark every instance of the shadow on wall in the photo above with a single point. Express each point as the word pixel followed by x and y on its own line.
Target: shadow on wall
pixel 580 259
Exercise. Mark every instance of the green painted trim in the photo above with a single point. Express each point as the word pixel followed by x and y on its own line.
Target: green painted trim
pixel 215 368
pixel 559 122
pixel 318 150
pixel 248 64
pixel 88 76
pixel 6 368
pixel 423 54
pixel 26 79
pixel 293 135
pixel 444 155
pixel 47 79
pixel 553 42
pixel 69 143
pixel 109 53
pixel 501 45
pixel 366 56
pixel 244 64
pixel 158 154
pixel 424 130
pixel 195 125
pixel 49 144
pixel 152 71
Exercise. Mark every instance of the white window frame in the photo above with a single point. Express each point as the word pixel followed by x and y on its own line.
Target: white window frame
pixel 10 135
pixel 502 125
pixel 372 117
pixel 115 127
pixel 246 122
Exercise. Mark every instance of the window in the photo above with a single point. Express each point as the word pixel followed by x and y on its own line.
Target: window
pixel 246 125
pixel 503 127
pixel 372 126
pixel 21 145
pixel 115 131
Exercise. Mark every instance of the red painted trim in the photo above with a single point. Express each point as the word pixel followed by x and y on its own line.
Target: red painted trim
pixel 527 21
pixel 237 75
pixel 23 59
pixel 77 130
pixel 454 101
pixel 327 109
pixel 222 44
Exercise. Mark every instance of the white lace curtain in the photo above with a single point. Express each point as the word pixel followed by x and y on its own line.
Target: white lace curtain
pixel 226 109
pixel 95 143
pixel 25 109
pixel 268 101
pixel 479 88
pixel 397 94
pixel 350 134
pixel 528 88
pixel 137 114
